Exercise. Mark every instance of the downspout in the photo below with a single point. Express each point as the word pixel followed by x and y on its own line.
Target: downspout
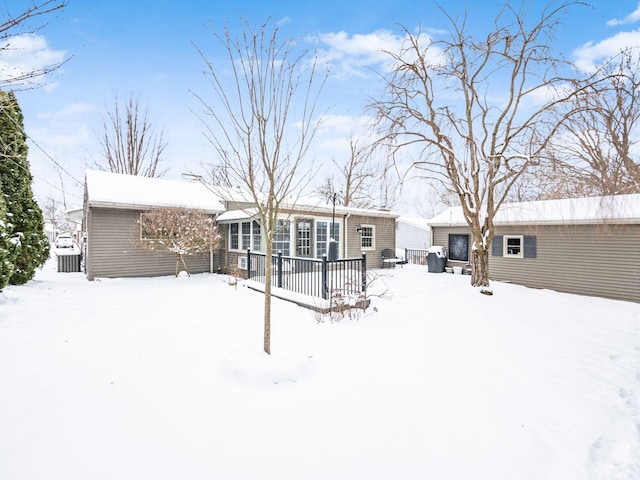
pixel 430 235
pixel 215 216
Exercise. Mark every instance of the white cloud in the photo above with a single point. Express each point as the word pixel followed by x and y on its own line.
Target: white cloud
pixel 633 17
pixel 332 140
pixel 22 54
pixel 355 55
pixel 589 55
pixel 352 55
pixel 70 110
pixel 344 125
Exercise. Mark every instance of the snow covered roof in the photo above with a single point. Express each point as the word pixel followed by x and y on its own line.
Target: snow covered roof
pixel 106 189
pixel 234 215
pixel 313 205
pixel 320 205
pixel 415 222
pixel 586 210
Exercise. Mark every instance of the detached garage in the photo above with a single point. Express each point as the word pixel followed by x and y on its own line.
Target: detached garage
pixel 587 246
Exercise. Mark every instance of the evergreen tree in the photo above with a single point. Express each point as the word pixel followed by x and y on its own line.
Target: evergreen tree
pixel 7 248
pixel 24 220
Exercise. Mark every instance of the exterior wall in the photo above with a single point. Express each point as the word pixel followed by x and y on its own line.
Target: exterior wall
pixel 111 250
pixel 385 237
pixel 441 238
pixel 409 235
pixel 596 260
pixel 350 246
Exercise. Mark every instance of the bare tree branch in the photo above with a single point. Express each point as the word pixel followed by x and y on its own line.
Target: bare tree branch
pixel 597 145
pixel 129 141
pixel 468 110
pixel 356 178
pixel 17 26
pixel 180 231
pixel 262 123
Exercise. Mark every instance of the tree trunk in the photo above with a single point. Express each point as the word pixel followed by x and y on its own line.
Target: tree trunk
pixel 180 258
pixel 268 268
pixel 480 267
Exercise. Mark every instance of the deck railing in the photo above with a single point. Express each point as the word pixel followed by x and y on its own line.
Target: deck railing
pixel 317 277
pixel 416 256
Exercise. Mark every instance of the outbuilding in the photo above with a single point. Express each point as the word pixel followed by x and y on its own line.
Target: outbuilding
pixel 586 246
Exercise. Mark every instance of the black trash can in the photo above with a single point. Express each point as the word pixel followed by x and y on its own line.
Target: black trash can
pixel 436 259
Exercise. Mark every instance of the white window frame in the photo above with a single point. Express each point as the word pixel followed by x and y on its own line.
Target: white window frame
pixel 373 237
pixel 505 246
pixel 237 234
pixel 328 225
pixel 278 237
pixel 245 236
pixel 290 220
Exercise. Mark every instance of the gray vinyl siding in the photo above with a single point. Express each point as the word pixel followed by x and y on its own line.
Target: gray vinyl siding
pixel 596 260
pixel 441 238
pixel 385 237
pixel 112 252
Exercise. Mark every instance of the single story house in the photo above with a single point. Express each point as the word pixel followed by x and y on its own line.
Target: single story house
pixel 586 246
pixel 114 203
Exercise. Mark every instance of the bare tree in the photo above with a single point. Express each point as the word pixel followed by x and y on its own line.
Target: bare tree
pixel 217 175
pixel 356 176
pixel 17 25
pixel 130 142
pixel 180 231
pixel 263 123
pixel 596 146
pixel 551 178
pixel 469 109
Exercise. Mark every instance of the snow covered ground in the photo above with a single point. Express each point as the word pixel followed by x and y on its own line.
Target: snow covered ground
pixel 164 378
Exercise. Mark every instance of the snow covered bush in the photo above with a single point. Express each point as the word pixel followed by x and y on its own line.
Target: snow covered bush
pixel 178 230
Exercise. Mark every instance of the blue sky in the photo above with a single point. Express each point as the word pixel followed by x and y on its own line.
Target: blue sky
pixel 147 48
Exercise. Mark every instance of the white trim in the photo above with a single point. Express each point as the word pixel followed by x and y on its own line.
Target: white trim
pixel 240 236
pixel 292 233
pixel 505 247
pixel 373 237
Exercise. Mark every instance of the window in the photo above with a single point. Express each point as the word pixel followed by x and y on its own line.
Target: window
pixel 303 238
pixel 233 236
pixel 246 235
pixel 282 238
pixel 325 231
pixel 513 246
pixel 145 229
pixel 257 237
pixel 367 237
pixel 459 247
